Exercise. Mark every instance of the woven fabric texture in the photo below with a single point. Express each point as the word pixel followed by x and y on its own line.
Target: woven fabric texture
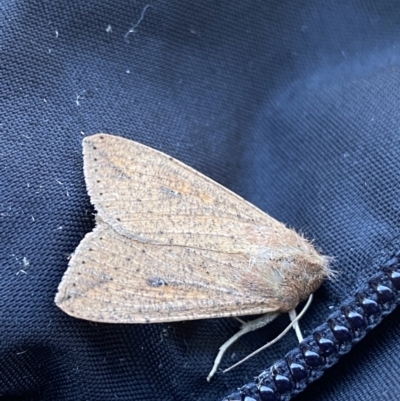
pixel 294 105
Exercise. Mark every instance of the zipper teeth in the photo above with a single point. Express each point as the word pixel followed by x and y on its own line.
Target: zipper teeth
pixel 343 328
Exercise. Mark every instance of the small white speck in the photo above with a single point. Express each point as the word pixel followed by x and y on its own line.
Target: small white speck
pixel 56 33
pixel 109 29
pixel 25 261
pixel 20 271
pixel 132 30
pixel 79 97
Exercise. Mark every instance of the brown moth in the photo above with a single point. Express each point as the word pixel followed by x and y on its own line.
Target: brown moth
pixel 171 244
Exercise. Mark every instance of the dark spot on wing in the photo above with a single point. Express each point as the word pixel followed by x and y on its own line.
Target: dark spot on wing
pixel 156 282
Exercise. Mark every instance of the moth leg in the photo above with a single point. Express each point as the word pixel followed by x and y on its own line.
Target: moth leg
pixel 296 327
pixel 292 323
pixel 239 320
pixel 245 328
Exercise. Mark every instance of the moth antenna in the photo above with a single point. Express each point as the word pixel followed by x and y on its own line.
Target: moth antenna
pixel 246 328
pixel 292 323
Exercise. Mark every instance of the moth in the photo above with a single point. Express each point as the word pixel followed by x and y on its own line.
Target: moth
pixel 171 244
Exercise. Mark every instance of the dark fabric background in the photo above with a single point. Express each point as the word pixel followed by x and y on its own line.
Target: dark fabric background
pixel 294 105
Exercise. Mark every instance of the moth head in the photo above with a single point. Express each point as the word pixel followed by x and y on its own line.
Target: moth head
pixel 302 275
pixel 288 276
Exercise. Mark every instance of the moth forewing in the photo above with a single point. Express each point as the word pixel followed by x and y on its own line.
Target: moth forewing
pixel 152 283
pixel 171 244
